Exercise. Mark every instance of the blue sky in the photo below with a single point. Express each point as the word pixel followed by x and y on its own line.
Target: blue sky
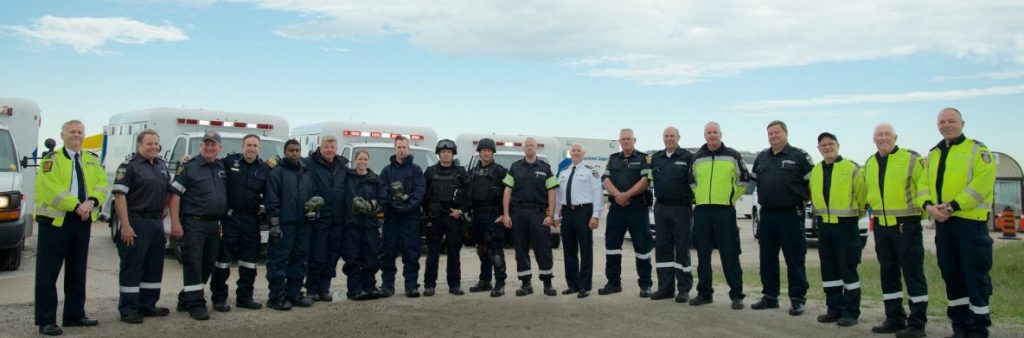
pixel 565 68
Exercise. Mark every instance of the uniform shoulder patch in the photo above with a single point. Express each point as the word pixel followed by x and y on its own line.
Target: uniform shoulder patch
pixel 180 170
pixel 986 156
pixel 47 166
pixel 647 159
pixel 121 172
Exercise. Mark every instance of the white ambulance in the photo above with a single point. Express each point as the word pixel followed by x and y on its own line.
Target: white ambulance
pixel 19 133
pixel 510 149
pixel 377 139
pixel 181 132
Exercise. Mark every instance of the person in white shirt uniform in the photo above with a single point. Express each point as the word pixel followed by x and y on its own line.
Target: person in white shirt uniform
pixel 578 209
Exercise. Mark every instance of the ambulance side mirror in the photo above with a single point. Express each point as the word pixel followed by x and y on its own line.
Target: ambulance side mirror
pixel 49 144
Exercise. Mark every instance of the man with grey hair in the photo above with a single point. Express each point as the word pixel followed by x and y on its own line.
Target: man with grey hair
pixel 719 179
pixel 329 173
pixel 890 178
pixel 626 178
pixel 70 184
pixel 580 202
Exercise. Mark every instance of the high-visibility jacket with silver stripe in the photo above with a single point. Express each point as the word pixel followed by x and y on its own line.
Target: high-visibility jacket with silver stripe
pixel 54 197
pixel 902 170
pixel 969 179
pixel 717 176
pixel 846 191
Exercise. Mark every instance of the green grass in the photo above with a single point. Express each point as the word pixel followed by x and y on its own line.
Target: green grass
pixel 1007 283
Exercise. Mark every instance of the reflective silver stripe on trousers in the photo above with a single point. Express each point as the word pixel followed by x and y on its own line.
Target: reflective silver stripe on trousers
pixel 150 286
pixel 979 310
pixel 644 256
pixel 222 265
pixel 891 296
pixel 546 272
pixel 613 252
pixel 959 302
pixel 919 299
pixel 852 286
pixel 832 284
pixel 196 287
pixel 249 265
pixel 129 289
pixel 525 273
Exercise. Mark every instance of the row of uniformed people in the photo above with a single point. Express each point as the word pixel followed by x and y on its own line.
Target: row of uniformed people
pixel 711 180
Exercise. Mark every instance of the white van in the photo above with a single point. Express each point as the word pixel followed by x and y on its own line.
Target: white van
pixel 181 132
pixel 19 132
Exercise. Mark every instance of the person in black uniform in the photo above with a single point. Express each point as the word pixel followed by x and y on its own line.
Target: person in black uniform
pixel 782 173
pixel 626 178
pixel 291 209
pixel 673 209
pixel 197 206
pixel 246 182
pixel 361 251
pixel 444 204
pixel 529 194
pixel 485 192
pixel 141 190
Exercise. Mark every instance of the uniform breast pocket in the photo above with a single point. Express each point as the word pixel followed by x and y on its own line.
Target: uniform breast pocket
pixel 201 186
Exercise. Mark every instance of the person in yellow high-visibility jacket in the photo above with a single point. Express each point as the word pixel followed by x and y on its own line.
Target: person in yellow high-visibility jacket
pixel 956 190
pixel 890 178
pixel 70 185
pixel 837 193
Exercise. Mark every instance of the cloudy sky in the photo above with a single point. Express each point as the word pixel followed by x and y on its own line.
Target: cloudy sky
pixel 565 68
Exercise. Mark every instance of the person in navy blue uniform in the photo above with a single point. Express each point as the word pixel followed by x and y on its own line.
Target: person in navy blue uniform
pixel 246 183
pixel 401 231
pixel 368 197
pixel 485 193
pixel 782 173
pixel 141 190
pixel 626 178
pixel 329 172
pixel 197 206
pixel 445 203
pixel 289 188
pixel 673 211
pixel 528 201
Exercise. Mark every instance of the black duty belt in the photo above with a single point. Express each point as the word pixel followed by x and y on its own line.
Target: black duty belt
pixel 679 202
pixel 577 206
pixel 529 205
pixel 202 218
pixel 147 215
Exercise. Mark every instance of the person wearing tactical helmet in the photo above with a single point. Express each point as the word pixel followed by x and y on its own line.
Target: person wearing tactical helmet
pixel 485 191
pixel 368 195
pixel 444 204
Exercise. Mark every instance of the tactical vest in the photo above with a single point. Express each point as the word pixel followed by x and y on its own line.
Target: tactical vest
pixel 487 188
pixel 444 186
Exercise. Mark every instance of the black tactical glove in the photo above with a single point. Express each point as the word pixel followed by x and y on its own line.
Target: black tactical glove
pixel 275 232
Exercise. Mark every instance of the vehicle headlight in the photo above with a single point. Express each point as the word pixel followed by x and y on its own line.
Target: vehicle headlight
pixel 5 201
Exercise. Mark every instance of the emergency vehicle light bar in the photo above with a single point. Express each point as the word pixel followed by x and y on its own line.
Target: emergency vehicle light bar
pixel 509 144
pixel 218 123
pixel 378 134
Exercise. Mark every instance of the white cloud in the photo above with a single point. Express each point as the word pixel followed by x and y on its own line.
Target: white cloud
pixel 1004 75
pixel 88 35
pixel 832 100
pixel 334 49
pixel 680 41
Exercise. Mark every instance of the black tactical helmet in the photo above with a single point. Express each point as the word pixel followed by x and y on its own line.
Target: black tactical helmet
pixel 486 143
pixel 446 144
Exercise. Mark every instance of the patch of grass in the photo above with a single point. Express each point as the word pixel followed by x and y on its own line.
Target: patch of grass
pixel 1007 283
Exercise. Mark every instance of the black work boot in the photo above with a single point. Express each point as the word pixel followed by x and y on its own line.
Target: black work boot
pixel 524 290
pixel 548 289
pixel 481 286
pixel 498 290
